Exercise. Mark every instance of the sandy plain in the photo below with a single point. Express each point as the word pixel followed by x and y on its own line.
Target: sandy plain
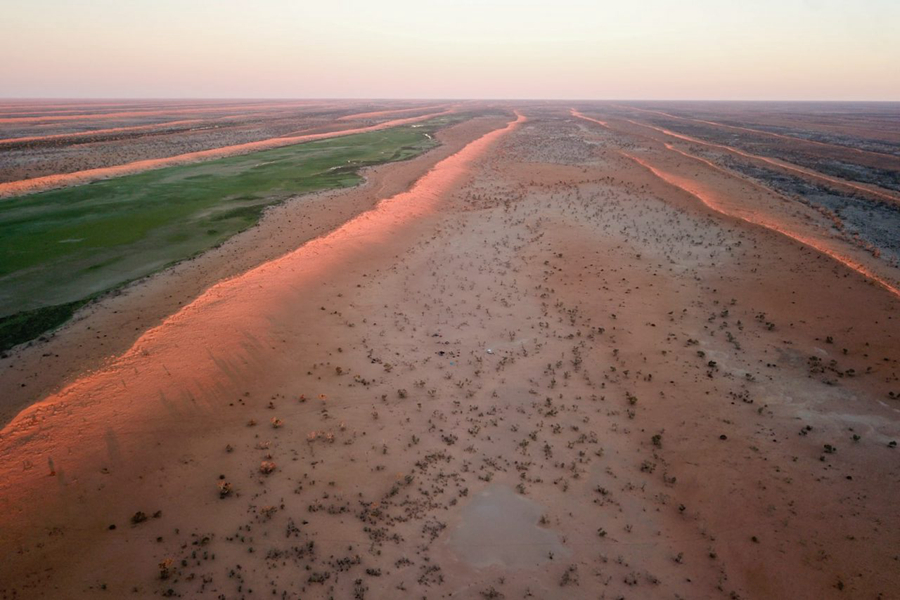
pixel 553 358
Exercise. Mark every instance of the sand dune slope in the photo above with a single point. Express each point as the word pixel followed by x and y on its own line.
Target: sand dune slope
pixel 540 372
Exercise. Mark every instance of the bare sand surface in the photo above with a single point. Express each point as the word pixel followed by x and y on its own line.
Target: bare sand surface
pixel 110 326
pixel 794 226
pixel 735 196
pixel 541 371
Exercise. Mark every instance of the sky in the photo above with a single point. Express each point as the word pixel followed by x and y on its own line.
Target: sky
pixel 555 49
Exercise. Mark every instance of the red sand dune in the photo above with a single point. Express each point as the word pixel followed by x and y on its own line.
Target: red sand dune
pixel 148 113
pixel 90 132
pixel 26 186
pixel 759 131
pixel 826 213
pixel 692 187
pixel 575 113
pixel 185 346
pixel 148 127
pixel 380 113
pixel 774 162
pixel 39 110
pixel 160 125
pixel 33 106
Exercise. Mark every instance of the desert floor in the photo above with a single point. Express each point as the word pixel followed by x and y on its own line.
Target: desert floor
pixel 552 358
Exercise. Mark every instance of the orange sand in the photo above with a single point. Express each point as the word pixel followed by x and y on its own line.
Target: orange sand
pixel 703 194
pixel 185 346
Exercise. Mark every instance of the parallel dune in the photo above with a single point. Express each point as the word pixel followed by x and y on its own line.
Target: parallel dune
pixel 560 355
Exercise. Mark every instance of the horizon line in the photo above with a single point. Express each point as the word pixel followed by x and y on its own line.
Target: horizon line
pixel 446 99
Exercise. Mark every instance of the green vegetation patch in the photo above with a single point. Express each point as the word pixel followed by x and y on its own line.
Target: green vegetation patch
pixel 27 325
pixel 62 247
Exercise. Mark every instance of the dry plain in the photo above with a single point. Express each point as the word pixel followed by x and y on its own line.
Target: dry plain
pixel 575 351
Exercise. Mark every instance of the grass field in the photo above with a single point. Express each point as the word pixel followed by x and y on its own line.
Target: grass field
pixel 61 248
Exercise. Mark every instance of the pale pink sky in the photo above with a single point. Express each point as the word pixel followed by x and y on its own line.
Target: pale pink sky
pixel 707 49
